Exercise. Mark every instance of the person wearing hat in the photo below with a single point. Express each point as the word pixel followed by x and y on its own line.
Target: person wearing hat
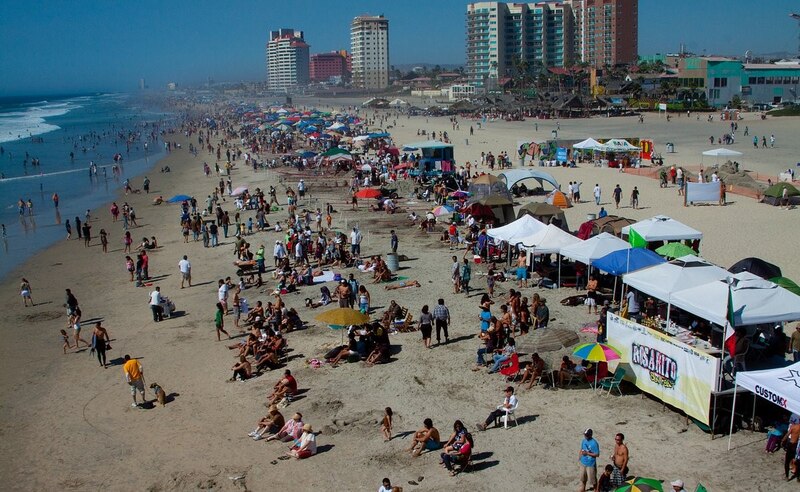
pixel 587 458
pixel 677 486
pixel 306 446
pixel 278 252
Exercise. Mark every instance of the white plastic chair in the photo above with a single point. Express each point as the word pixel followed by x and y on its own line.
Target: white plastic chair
pixel 510 415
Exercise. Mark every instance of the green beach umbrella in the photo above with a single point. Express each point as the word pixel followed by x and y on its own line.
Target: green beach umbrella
pixel 787 284
pixel 675 250
pixel 334 151
pixel 640 484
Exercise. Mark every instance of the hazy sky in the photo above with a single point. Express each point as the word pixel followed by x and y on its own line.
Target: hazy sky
pixel 85 45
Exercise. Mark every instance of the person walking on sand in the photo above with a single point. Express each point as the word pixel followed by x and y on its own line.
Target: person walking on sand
pixel 186 271
pixel 100 341
pixel 587 458
pixel 134 376
pixel 219 321
pixel 25 292
pixel 617 193
pixel 635 197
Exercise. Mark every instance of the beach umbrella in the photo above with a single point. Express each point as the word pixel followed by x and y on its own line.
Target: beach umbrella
pixel 406 148
pixel 459 194
pixel 240 190
pixel 641 484
pixel 179 198
pixel 403 165
pixel 596 352
pixel 442 210
pixel 368 193
pixel 787 284
pixel 675 250
pixel 343 317
pixel 548 340
pixel 340 157
pixel 307 154
pixel 756 266
pixel 335 151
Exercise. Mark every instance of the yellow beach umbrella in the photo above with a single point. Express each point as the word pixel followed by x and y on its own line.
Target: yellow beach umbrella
pixel 343 317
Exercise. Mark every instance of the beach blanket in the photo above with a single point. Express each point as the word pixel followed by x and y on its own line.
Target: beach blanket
pixel 394 279
pixel 327 276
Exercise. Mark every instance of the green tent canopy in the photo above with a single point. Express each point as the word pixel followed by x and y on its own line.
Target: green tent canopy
pixel 787 284
pixel 776 190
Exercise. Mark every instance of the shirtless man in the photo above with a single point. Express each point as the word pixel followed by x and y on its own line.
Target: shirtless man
pixel 620 460
pixel 425 438
pixel 342 293
pixel 287 386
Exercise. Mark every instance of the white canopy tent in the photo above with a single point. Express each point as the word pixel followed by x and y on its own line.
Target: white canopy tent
pixel 551 239
pixel 521 228
pixel 397 102
pixel 514 176
pixel 588 144
pixel 780 386
pixel 755 301
pixel 594 248
pixel 663 228
pixel 619 145
pixel 662 281
pixel 721 152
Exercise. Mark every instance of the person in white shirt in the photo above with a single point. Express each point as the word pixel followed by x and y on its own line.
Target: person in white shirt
pixel 222 295
pixel 387 487
pixel 633 304
pixel 278 252
pixel 597 193
pixel 355 242
pixel 306 446
pixel 509 402
pixel 186 270
pixel 155 305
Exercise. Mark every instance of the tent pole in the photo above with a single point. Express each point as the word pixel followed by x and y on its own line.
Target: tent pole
pixel 733 409
pixel 714 416
pixel 559 271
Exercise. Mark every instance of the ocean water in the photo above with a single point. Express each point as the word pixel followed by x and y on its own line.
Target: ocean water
pixel 93 128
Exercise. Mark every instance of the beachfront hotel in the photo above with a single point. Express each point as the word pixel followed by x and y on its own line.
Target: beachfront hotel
pixel 504 38
pixel 333 66
pixel 606 31
pixel 369 41
pixel 287 59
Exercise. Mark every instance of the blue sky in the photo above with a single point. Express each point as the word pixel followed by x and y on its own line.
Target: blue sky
pixel 86 45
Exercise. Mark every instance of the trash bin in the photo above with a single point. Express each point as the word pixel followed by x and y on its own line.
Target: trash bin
pixel 392 262
pixel 670 147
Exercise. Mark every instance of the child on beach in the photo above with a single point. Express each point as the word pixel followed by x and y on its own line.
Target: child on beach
pixel 65 339
pixel 386 425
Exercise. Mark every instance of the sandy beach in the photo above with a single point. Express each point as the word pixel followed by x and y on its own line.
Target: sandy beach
pixel 67 423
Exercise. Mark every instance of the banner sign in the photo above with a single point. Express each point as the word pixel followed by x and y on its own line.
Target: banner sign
pixel 702 192
pixel 665 367
pixel 561 154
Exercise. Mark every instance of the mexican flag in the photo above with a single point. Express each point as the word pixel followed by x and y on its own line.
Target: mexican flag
pixel 635 239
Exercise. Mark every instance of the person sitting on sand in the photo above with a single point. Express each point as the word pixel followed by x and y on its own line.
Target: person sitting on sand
pixel 285 388
pixel 290 431
pixel 242 369
pixel 379 355
pixel 324 300
pixel 269 424
pixel 382 273
pixel 533 370
pixel 158 200
pixel 403 284
pixel 306 446
pixel 457 438
pixel 458 456
pixel 425 438
pixel 336 354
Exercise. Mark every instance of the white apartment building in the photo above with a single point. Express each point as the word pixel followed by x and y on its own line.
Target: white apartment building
pixel 369 40
pixel 287 60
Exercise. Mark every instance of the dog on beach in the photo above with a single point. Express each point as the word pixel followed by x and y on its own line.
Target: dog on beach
pixel 161 396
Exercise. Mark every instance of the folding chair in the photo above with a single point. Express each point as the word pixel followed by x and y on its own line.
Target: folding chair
pixel 511 368
pixel 614 381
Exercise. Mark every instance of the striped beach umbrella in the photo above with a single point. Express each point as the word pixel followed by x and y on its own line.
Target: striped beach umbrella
pixel 596 352
pixel 442 210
